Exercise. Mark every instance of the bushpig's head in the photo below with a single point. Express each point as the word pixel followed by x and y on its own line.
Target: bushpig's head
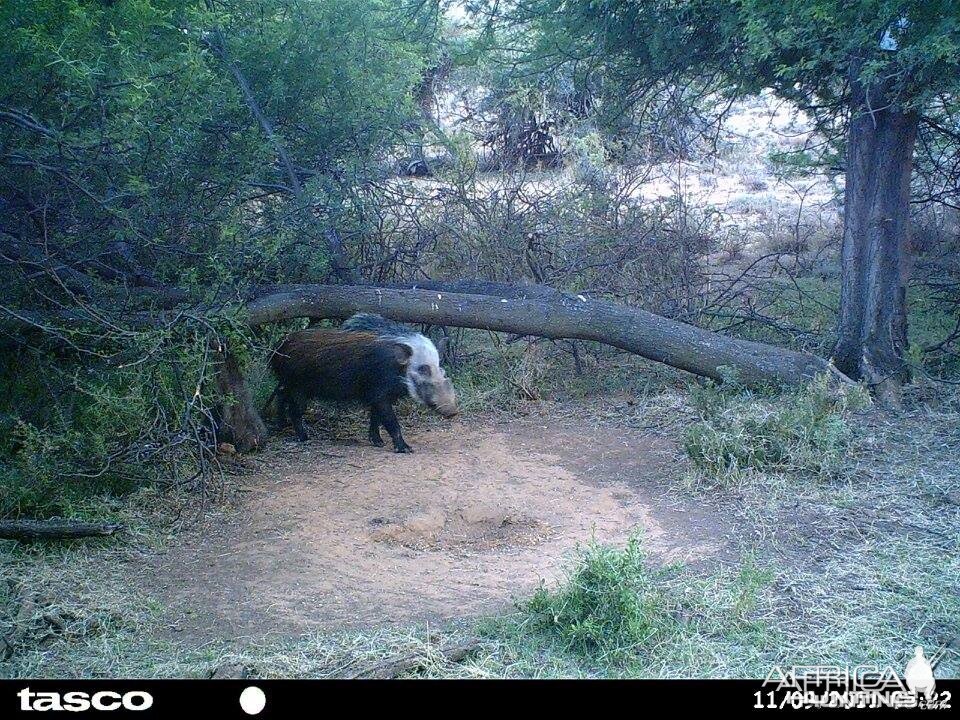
pixel 426 380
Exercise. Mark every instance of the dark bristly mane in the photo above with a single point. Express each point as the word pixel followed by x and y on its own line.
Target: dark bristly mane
pixel 378 325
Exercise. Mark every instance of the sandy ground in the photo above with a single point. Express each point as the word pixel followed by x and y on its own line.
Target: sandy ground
pixel 335 533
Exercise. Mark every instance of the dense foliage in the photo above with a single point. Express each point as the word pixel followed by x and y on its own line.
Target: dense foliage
pixel 806 51
pixel 161 159
pixel 134 175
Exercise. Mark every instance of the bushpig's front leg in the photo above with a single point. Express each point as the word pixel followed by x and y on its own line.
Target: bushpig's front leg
pixel 295 408
pixel 389 419
pixel 375 423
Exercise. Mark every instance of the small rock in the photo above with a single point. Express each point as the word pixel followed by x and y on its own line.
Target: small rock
pixel 229 671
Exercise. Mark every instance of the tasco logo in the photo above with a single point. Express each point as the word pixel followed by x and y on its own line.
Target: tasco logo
pixel 82 702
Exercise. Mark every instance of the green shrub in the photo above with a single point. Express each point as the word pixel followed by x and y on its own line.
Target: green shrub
pixel 77 432
pixel 610 606
pixel 802 431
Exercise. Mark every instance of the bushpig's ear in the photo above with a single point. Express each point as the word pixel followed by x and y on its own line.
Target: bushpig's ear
pixel 444 346
pixel 403 352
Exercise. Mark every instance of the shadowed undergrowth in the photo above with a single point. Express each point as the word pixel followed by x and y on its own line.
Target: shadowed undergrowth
pixel 804 431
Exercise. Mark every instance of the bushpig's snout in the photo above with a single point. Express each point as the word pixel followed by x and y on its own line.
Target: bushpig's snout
pixel 449 412
pixel 446 400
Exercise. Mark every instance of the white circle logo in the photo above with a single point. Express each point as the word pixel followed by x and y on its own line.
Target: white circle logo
pixel 252 700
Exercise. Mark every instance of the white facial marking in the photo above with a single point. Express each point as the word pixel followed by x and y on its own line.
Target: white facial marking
pixel 424 352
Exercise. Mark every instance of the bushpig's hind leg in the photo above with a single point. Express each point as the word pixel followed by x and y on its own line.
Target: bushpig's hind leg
pixel 389 420
pixel 282 416
pixel 375 424
pixel 295 408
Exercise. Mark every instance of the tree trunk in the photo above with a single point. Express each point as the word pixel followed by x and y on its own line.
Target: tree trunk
pixel 53 529
pixel 872 340
pixel 239 421
pixel 566 316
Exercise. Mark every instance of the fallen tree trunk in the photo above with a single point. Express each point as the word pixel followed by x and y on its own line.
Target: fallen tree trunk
pixel 674 343
pixel 519 309
pixel 53 529
pixel 395 667
pixel 517 291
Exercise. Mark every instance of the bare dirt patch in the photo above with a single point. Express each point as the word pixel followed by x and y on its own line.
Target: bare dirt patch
pixel 335 533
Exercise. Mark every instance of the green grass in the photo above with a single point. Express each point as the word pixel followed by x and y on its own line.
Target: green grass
pixel 505 376
pixel 619 614
pixel 804 431
pixel 610 607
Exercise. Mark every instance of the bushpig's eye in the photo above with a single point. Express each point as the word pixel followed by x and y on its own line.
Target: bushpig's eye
pixel 424 370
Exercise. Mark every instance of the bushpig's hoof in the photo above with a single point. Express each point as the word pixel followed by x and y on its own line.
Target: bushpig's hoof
pixel 404 449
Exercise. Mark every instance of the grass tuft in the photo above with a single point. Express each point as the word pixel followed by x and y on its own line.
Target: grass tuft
pixel 610 607
pixel 803 431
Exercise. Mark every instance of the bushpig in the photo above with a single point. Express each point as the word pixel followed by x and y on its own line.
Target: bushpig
pixel 352 366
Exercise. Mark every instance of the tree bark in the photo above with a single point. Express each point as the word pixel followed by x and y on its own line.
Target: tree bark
pixel 572 317
pixel 53 529
pixel 872 333
pixel 239 421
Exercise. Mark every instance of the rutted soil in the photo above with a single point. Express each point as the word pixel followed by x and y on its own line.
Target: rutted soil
pixel 335 533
